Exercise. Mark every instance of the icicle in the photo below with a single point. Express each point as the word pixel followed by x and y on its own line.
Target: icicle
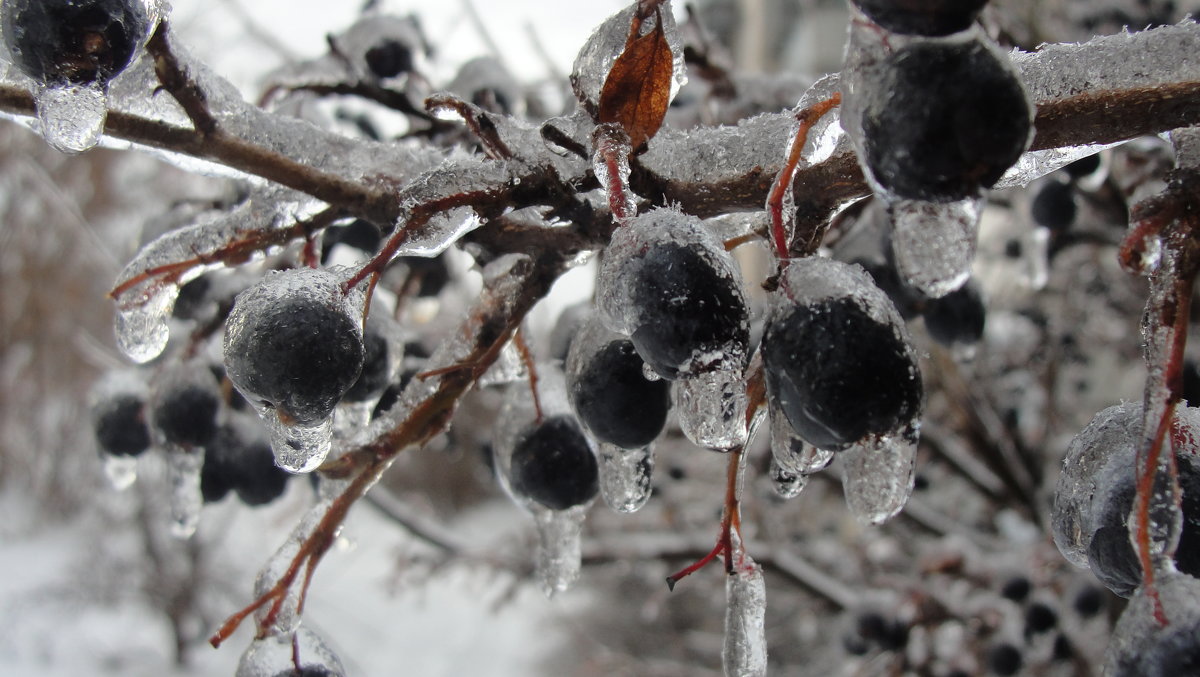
pixel 625 476
pixel 71 117
pixel 934 243
pixel 745 650
pixel 712 409
pixel 277 655
pixel 879 475
pixel 786 484
pixel 559 556
pixel 121 471
pixel 183 472
pixel 298 447
pixel 792 454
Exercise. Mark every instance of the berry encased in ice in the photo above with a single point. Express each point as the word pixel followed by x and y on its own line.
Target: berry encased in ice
pixel 291 344
pixel 73 41
pixel 389 58
pixel 947 120
pixel 956 318
pixel 686 309
pixel 613 398
pixel 922 17
pixel 839 374
pixel 553 465
pixel 120 425
pixel 186 413
pixel 376 370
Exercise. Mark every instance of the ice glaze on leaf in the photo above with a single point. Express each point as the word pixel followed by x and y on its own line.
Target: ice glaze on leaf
pixel 637 90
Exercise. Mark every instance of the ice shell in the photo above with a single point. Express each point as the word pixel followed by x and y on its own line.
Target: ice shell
pixel 879 475
pixel 276 655
pixel 71 117
pixel 559 555
pixel 183 473
pixel 1141 647
pixel 607 42
pixel 792 454
pixel 298 447
pixel 287 620
pixel 934 243
pixel 786 484
pixel 745 651
pixel 712 409
pixel 625 476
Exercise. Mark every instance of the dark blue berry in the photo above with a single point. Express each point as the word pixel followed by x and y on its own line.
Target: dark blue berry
pixel 956 318
pixel 1004 659
pixel 614 400
pixel 922 17
pixel 1016 588
pixel 373 379
pixel 186 414
pixel 75 41
pixel 120 425
pixel 1054 205
pixel 553 465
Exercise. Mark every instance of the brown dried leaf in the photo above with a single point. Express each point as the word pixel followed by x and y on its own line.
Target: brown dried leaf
pixel 638 87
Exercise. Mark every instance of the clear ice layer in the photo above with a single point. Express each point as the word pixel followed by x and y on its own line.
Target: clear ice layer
pixel 71 117
pixel 711 408
pixel 625 476
pixel 559 554
pixel 934 243
pixel 276 655
pixel 606 43
pixel 878 475
pixel 745 651
pixel 183 475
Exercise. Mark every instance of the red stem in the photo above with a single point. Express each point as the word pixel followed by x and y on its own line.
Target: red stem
pixel 783 181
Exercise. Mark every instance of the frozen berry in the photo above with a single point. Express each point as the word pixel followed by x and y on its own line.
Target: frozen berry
pixel 1083 167
pixel 186 412
pixel 242 463
pixel 1054 205
pixel 120 425
pixel 687 309
pixel 358 234
pixel 1088 601
pixel 1039 618
pixel 1016 588
pixel 610 392
pixel 922 17
pixel 389 58
pixel 838 373
pixel 553 465
pixel 292 343
pixel 906 299
pixel 956 318
pixel 947 120
pixel 75 41
pixel 1004 659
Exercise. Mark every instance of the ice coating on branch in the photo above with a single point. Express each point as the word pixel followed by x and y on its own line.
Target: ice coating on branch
pixel 1035 164
pixel 879 475
pixel 712 408
pixel 276 655
pixel 934 243
pixel 625 476
pixel 668 284
pixel 1142 647
pixel 745 651
pixel 71 117
pixel 610 163
pixel 607 42
pixel 459 174
pixel 149 284
pixel 508 368
pixel 786 484
pixel 714 154
pixel 183 475
pixel 287 619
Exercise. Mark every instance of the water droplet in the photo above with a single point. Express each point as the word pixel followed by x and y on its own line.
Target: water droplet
pixel 298 447
pixel 141 328
pixel 72 116
pixel 791 453
pixel 786 484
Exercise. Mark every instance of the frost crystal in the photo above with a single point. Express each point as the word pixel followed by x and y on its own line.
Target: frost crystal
pixel 745 650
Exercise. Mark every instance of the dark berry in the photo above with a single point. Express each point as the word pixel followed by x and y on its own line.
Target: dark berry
pixel 75 41
pixel 1013 249
pixel 291 344
pixel 614 400
pixel 389 58
pixel 1187 553
pixel 1063 650
pixel 906 299
pixel 376 371
pixel 186 413
pixel 947 120
pixel 244 464
pixel 552 464
pixel 1039 618
pixel 1083 167
pixel 1054 205
pixel 687 308
pixel 839 374
pixel 389 397
pixel 120 425
pixel 431 275
pixel 192 298
pixel 1088 601
pixel 922 17
pixel 1191 382
pixel 1016 588
pixel 359 234
pixel 309 671
pixel 956 318
pixel 1113 560
pixel 1004 659
pixel 854 644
